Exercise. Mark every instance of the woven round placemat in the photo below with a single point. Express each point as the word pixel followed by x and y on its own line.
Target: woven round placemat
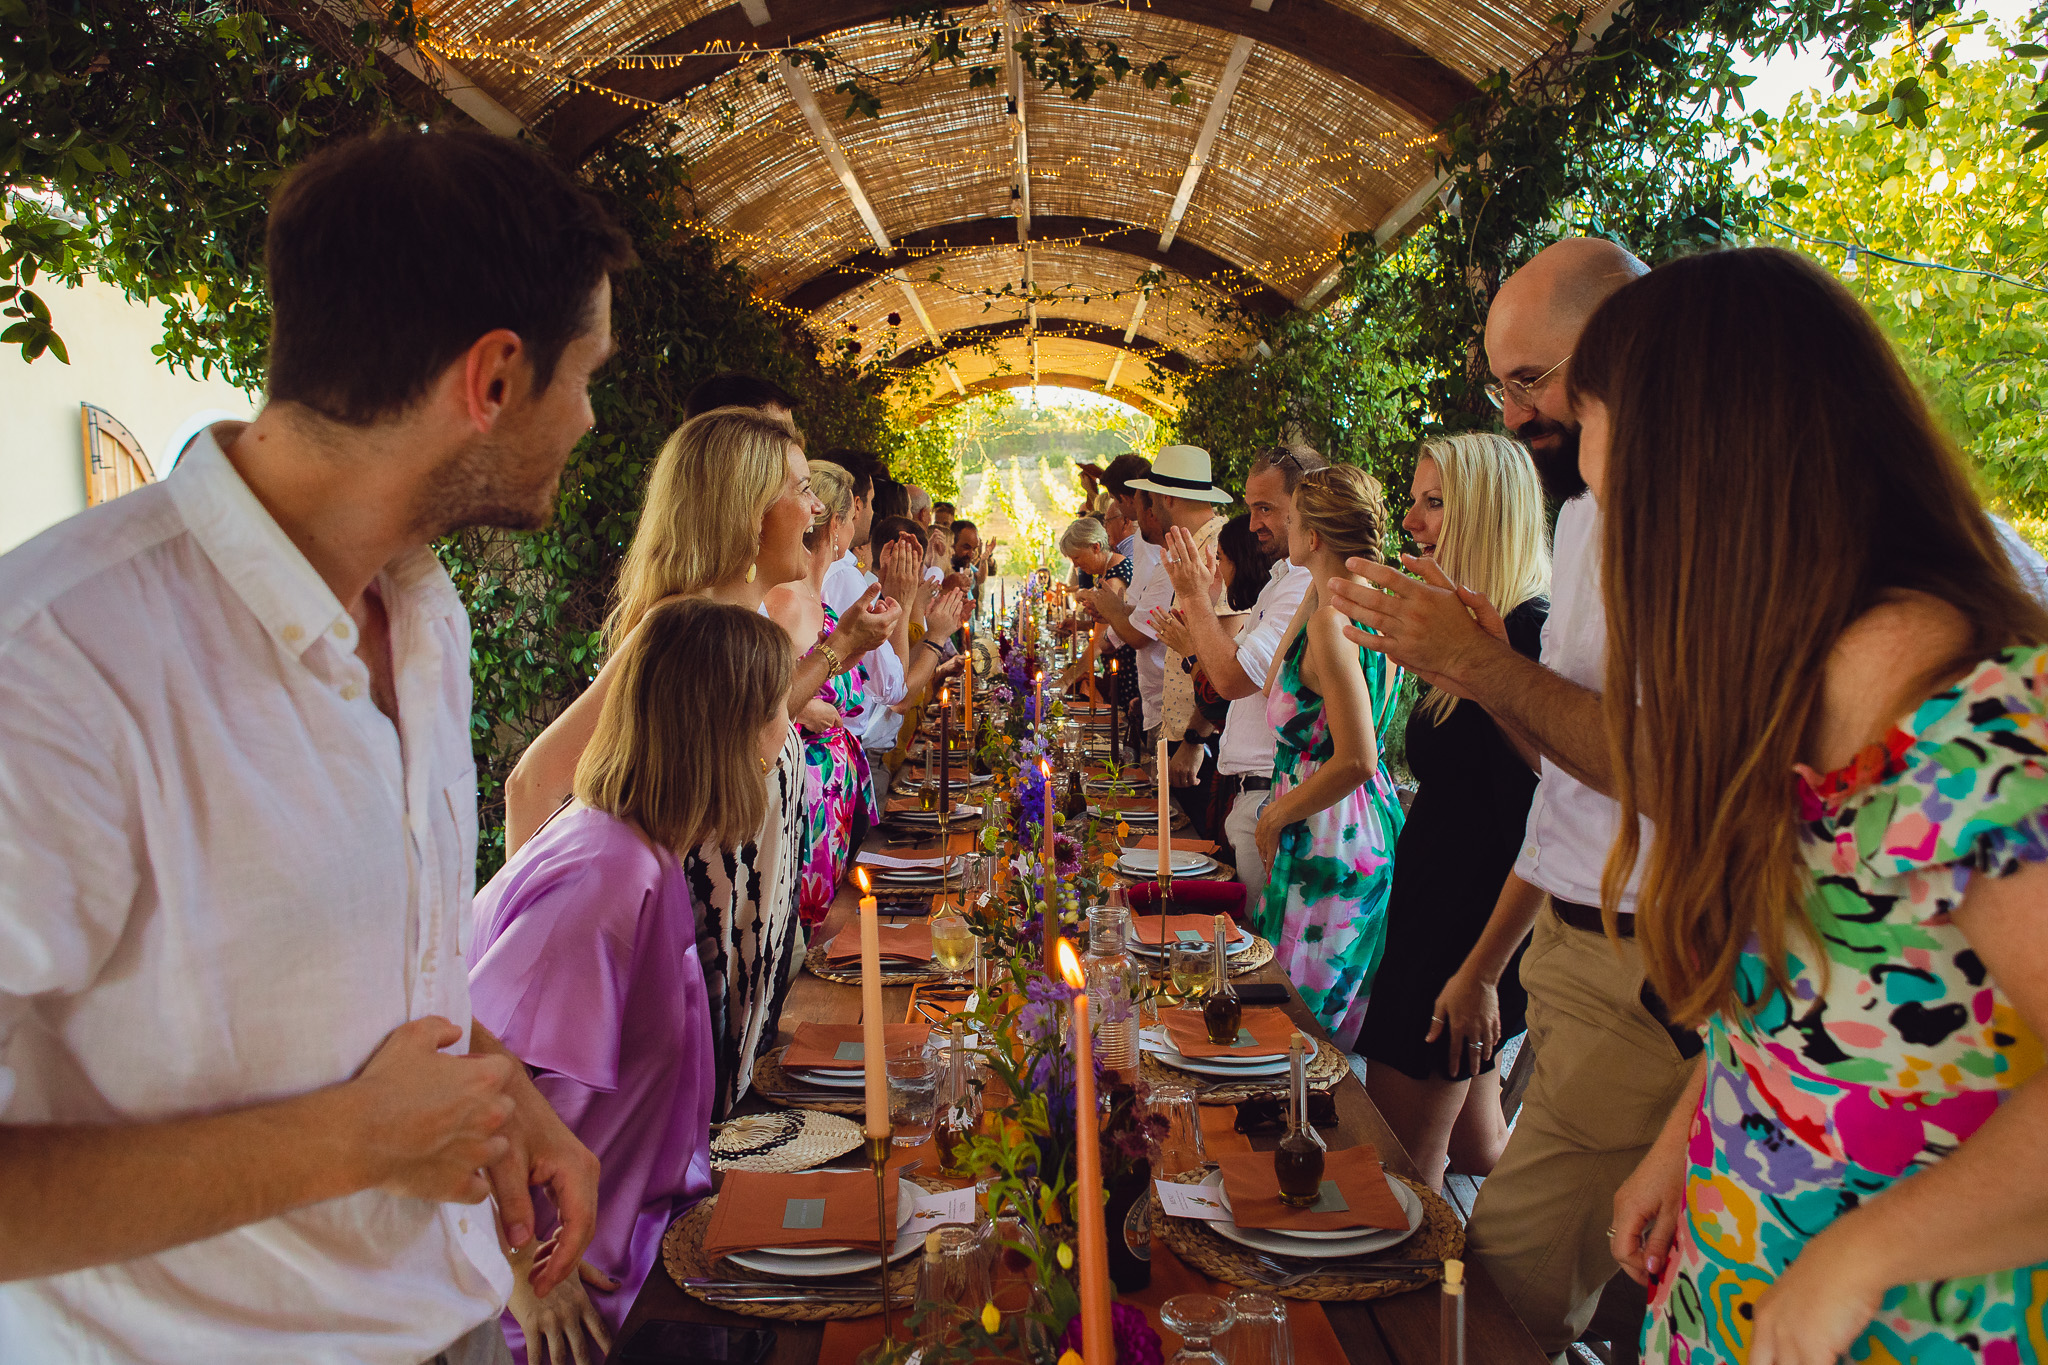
pixel 1325 1069
pixel 787 1140
pixel 849 975
pixel 770 1077
pixel 1440 1237
pixel 682 1255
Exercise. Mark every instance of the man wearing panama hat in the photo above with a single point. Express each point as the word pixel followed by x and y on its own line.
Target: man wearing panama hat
pixel 1179 491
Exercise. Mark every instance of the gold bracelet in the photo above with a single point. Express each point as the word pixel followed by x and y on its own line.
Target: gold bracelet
pixel 832 664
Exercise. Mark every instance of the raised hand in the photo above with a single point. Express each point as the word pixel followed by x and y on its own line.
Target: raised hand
pixel 427 1123
pixel 944 616
pixel 900 570
pixel 1429 625
pixel 865 624
pixel 1190 567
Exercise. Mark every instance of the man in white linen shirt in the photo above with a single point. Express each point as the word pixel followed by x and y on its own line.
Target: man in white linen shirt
pixel 244 1115
pixel 1237 667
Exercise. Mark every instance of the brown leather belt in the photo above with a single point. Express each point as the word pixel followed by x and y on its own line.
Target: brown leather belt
pixel 1587 917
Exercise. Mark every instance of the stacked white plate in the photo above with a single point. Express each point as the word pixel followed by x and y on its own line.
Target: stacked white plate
pixel 912 871
pixel 1319 1245
pixel 812 1263
pixel 961 811
pixel 1147 818
pixel 1144 862
pixel 1159 1043
pixel 1231 947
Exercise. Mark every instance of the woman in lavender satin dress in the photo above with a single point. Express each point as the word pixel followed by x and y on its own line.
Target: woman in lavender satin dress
pixel 587 949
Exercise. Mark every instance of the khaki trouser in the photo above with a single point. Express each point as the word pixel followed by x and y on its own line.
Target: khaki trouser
pixel 1606 1077
pixel 1240 828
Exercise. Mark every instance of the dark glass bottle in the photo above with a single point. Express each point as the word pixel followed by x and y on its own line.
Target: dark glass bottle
pixel 1298 1160
pixel 1221 1010
pixel 1074 804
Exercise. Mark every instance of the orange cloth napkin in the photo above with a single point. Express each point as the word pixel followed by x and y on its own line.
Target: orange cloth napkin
pixel 1254 1193
pixel 753 1206
pixel 909 943
pixel 1181 844
pixel 1146 928
pixel 817 1045
pixel 1268 1025
pixel 1140 804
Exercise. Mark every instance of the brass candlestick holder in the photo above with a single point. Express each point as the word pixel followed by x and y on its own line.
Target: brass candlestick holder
pixel 878 1157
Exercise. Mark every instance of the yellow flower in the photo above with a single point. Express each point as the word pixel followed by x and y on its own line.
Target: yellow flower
pixel 1049 1211
pixel 991 1320
pixel 1066 1256
pixel 1072 1357
pixel 1123 831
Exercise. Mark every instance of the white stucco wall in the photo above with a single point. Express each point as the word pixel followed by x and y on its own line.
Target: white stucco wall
pixel 42 458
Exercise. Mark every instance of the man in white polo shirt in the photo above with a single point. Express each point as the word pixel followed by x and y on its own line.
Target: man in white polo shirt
pixel 244 1115
pixel 1237 667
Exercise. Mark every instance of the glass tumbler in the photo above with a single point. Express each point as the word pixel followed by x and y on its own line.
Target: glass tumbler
pixel 953 1283
pixel 1260 1335
pixel 1197 1319
pixel 1182 1148
pixel 913 1093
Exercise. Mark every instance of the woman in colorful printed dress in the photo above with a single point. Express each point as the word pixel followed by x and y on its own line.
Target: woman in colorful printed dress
pixel 1327 835
pixel 727 506
pixel 838 802
pixel 1838 696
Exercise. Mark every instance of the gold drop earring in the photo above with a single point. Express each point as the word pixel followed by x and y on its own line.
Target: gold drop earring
pixel 750 573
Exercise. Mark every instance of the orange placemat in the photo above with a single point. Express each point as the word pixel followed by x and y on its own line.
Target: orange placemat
pixel 846 1340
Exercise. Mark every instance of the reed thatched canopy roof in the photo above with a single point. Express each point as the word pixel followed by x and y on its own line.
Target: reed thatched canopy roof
pixel 977 235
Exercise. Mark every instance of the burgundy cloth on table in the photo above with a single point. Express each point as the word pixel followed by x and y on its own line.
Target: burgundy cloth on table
pixel 1191 898
pixel 587 969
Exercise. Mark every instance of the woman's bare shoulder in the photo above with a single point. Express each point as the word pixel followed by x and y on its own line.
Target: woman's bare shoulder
pixel 1881 666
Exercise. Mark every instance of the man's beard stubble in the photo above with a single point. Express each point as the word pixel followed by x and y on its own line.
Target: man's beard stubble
pixel 489 483
pixel 1557 464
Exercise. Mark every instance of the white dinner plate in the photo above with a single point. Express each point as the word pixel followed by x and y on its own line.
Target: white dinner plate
pixel 1231 947
pixel 845 1080
pixel 1146 860
pixel 820 1262
pixel 1157 1042
pixel 1320 1245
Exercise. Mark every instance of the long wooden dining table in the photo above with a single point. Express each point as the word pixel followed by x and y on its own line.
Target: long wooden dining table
pixel 1397 1330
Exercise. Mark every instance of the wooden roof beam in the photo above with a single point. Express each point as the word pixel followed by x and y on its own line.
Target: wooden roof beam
pixel 998 382
pixel 1324 33
pixel 1072 329
pixel 1184 257
pixel 828 144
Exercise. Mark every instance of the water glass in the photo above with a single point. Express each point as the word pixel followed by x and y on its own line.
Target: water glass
pixel 953 945
pixel 913 1093
pixel 1197 1319
pixel 1191 965
pixel 1182 1147
pixel 1260 1335
pixel 953 1282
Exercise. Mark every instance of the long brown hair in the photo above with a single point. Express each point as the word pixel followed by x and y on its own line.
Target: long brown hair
pixel 1773 475
pixel 675 748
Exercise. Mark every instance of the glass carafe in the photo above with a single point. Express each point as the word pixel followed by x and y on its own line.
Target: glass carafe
pixel 1113 989
pixel 1298 1160
pixel 1221 1010
pixel 959 1103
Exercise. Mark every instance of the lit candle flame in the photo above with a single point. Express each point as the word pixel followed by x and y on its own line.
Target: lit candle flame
pixel 1045 767
pixel 1070 965
pixel 860 874
pixel 945 696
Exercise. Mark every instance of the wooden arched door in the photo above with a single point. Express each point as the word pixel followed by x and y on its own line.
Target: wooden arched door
pixel 114 462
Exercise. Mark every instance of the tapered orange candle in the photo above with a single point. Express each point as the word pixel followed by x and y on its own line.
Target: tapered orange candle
pixel 1038 710
pixel 1165 824
pixel 874 1052
pixel 968 669
pixel 1097 1342
pixel 1052 919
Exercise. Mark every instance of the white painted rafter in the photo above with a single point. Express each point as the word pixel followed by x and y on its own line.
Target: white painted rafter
pixel 1198 162
pixel 1019 126
pixel 806 100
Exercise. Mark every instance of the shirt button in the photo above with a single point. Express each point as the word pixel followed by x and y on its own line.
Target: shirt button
pixel 464 1225
pixel 293 634
pixel 349 692
pixel 341 630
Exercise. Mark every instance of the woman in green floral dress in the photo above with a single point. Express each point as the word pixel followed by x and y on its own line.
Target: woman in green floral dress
pixel 1327 834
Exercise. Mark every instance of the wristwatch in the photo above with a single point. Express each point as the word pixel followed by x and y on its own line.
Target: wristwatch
pixel 833 666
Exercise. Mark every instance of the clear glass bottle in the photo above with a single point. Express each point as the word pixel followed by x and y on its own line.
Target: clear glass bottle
pixel 1298 1160
pixel 1221 1010
pixel 959 1105
pixel 1113 989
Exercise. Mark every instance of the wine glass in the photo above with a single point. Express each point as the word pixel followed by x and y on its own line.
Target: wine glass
pixel 1197 1319
pixel 953 945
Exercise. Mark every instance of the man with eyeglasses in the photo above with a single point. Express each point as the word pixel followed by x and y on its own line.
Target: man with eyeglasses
pixel 1606 1068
